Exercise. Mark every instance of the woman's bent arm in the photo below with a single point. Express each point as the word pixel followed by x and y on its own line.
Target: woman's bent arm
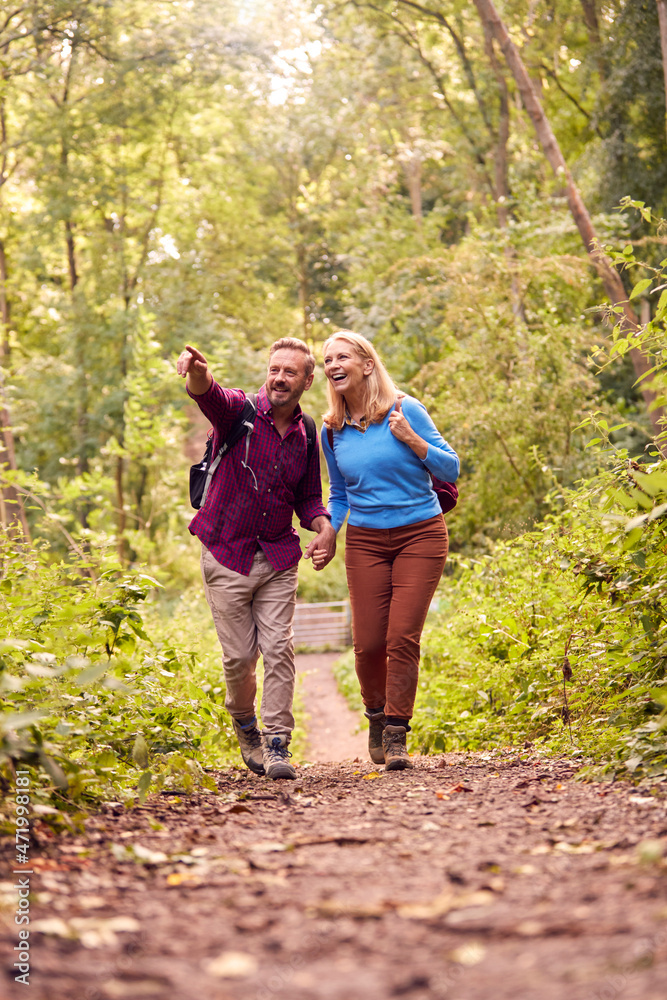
pixel 338 503
pixel 440 458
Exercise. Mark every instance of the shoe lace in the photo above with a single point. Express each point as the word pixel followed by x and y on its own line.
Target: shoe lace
pixel 251 734
pixel 276 749
pixel 394 744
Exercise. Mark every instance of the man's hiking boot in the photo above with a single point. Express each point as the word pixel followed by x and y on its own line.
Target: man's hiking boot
pixel 250 744
pixel 275 754
pixel 376 724
pixel 395 751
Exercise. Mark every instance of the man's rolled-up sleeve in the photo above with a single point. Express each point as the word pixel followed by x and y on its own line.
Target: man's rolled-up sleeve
pixel 220 406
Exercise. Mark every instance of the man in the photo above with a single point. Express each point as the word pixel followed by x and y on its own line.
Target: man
pixel 250 550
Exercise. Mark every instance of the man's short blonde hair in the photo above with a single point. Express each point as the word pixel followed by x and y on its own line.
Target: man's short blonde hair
pixel 294 344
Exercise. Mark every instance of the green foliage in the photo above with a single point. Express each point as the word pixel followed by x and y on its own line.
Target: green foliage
pixel 629 153
pixel 346 679
pixel 101 697
pixel 507 388
pixel 176 173
pixel 648 282
pixel 183 173
pixel 582 593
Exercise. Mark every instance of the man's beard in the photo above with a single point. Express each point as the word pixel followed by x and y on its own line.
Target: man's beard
pixel 291 396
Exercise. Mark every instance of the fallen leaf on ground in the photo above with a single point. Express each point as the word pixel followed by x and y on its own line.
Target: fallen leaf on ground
pixel 468 954
pixel 53 926
pixel 93 932
pixel 178 878
pixel 443 903
pixel 63 865
pixel 231 965
pixel 335 908
pixel 337 838
pixel 119 989
pixel 148 856
pixel 530 928
pixel 268 847
pixel 565 848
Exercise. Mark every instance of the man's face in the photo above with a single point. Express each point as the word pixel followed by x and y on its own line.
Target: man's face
pixel 286 378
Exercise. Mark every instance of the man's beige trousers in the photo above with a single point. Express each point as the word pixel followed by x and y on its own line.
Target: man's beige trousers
pixel 252 615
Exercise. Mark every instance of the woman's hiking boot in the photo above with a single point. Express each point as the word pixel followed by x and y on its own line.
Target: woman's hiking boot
pixel 250 744
pixel 276 754
pixel 395 750
pixel 376 724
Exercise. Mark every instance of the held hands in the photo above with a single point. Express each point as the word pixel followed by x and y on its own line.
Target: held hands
pixel 193 364
pixel 322 548
pixel 401 429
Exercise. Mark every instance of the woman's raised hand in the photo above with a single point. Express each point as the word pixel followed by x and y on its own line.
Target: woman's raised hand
pixel 401 429
pixel 399 426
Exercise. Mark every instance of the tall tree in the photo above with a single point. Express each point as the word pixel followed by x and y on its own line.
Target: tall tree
pixel 611 279
pixel 662 19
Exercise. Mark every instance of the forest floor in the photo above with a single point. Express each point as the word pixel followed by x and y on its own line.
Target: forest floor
pixel 480 876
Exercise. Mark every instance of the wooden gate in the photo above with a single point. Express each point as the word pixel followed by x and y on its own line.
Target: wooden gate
pixel 323 625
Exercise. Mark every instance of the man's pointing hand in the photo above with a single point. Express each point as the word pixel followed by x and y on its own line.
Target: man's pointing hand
pixel 193 364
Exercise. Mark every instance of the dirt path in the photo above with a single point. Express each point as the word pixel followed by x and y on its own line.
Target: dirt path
pixel 473 877
pixel 332 728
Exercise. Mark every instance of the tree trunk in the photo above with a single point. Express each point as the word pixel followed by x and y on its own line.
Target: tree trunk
pixel 593 27
pixel 121 544
pixel 71 254
pixel 80 343
pixel 12 511
pixel 80 348
pixel 662 18
pixel 302 272
pixel 610 278
pixel 412 165
pixel 502 188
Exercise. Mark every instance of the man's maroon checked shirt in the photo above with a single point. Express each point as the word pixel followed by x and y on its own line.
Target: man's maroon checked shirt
pixel 237 519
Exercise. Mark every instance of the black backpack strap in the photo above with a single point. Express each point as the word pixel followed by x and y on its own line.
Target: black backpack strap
pixel 330 437
pixel 243 425
pixel 311 434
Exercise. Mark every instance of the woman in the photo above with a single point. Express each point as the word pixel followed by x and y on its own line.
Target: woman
pixel 380 446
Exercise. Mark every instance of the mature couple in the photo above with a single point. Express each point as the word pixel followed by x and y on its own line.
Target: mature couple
pixel 381 447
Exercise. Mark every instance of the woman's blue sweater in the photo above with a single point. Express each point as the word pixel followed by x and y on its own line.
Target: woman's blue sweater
pixel 379 479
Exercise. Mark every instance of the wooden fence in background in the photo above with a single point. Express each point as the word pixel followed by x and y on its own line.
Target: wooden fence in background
pixel 323 625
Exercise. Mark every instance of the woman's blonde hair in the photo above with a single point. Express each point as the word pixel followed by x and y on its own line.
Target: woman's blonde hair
pixel 381 392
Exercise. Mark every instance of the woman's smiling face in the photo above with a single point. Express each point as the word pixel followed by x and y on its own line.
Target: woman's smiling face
pixel 345 368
